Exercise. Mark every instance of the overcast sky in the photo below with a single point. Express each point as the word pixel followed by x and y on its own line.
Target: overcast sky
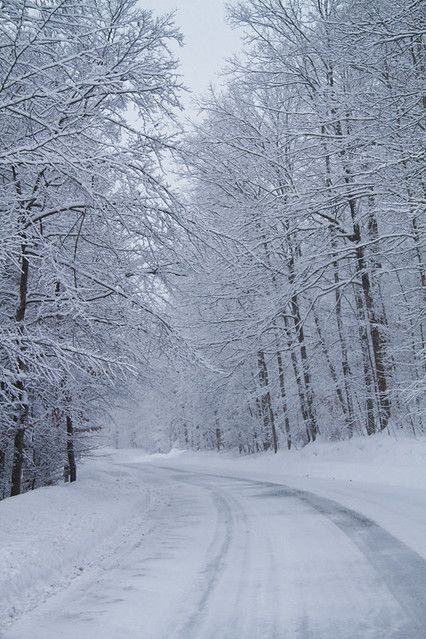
pixel 208 38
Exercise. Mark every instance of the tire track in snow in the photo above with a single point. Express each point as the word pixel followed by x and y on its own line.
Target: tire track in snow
pixel 401 569
pixel 218 551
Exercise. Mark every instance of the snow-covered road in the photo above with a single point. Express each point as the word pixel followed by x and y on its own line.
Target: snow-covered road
pixel 227 557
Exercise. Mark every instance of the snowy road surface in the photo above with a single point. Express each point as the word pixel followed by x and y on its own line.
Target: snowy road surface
pixel 228 558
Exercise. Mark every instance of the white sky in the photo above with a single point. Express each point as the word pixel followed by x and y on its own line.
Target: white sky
pixel 208 39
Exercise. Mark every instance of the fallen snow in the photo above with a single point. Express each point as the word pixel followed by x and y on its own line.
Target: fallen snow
pixel 57 537
pixel 382 459
pixel 50 536
pixel 382 477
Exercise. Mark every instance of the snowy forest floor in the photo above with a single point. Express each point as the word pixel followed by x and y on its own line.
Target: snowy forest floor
pixel 70 538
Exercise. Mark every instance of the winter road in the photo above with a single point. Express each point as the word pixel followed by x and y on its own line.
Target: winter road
pixel 227 558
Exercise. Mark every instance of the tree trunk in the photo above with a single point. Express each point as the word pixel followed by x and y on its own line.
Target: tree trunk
pixel 218 433
pixel 70 450
pixel 283 398
pixel 21 418
pixel 350 419
pixel 376 340
pixel 266 402
pixel 422 275
pixel 347 376
pixel 300 334
pixel 368 377
pixel 18 458
pixel 297 377
pixel 333 372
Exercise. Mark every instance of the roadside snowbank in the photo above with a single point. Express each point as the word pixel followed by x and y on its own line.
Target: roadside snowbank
pixel 380 459
pixel 52 535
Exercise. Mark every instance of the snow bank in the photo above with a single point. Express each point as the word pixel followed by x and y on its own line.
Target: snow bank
pixel 380 459
pixel 52 535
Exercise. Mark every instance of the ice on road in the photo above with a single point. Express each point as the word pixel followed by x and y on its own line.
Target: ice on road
pixel 229 558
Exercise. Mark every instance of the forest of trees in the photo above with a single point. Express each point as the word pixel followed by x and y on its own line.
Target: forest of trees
pixel 307 298
pixel 89 229
pixel 280 296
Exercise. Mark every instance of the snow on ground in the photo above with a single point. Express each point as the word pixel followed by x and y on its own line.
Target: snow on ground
pixel 382 459
pixel 50 536
pixel 126 531
pixel 382 477
pixel 364 459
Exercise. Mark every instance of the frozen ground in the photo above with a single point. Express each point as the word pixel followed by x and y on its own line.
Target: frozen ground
pixel 327 543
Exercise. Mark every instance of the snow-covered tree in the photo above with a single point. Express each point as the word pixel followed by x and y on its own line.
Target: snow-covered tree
pixel 309 185
pixel 88 92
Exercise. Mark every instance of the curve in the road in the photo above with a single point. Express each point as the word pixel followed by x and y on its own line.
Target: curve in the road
pixel 398 566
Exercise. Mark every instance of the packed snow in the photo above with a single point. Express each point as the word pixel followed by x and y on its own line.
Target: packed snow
pixel 324 542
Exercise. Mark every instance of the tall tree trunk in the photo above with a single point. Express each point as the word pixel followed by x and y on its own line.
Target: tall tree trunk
pixel 300 334
pixel 373 320
pixel 2 474
pixel 422 276
pixel 298 378
pixel 376 339
pixel 218 433
pixel 350 419
pixel 70 450
pixel 366 363
pixel 21 418
pixel 266 401
pixel 333 372
pixel 283 398
pixel 347 376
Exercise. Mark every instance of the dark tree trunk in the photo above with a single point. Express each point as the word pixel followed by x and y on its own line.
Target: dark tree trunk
pixel 284 398
pixel 70 450
pixel 21 418
pixel 347 375
pixel 218 439
pixel 266 401
pixel 331 367
pixel 376 341
pixel 18 459
pixel 366 364
pixel 300 334
pixel 297 377
pixel 2 473
pixel 373 321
